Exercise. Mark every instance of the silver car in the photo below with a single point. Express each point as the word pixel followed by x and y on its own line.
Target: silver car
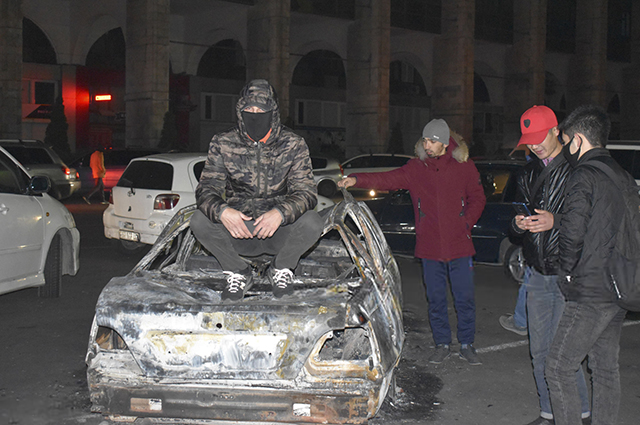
pixel 164 345
pixel 38 236
pixel 39 159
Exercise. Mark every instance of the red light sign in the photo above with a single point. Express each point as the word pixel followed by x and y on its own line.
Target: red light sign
pixel 102 97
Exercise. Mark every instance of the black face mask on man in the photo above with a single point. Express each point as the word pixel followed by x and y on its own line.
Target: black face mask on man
pixel 257 124
pixel 572 158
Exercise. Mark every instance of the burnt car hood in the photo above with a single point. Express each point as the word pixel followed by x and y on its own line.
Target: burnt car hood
pixel 180 327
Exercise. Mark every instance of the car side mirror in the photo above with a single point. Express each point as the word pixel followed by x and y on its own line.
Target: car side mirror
pixel 39 185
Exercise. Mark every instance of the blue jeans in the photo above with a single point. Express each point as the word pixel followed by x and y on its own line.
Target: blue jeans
pixel 460 273
pixel 591 329
pixel 545 304
pixel 520 312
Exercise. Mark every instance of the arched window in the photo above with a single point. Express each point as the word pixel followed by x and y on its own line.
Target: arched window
pixel 36 47
pixel 223 60
pixel 480 91
pixel 405 79
pixel 320 68
pixel 614 105
pixel 108 52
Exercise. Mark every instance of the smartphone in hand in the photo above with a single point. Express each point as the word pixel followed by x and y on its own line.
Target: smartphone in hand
pixel 521 209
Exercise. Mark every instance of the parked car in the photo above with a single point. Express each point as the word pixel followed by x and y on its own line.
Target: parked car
pixel 115 162
pixel 326 172
pixel 372 163
pixel 39 159
pixel 40 241
pixel 150 191
pixel 164 345
pixel 491 238
pixel 627 153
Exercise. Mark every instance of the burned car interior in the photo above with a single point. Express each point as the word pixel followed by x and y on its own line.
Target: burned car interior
pixel 164 345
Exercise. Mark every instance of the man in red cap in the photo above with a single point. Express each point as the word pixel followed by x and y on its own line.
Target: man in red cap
pixel 541 188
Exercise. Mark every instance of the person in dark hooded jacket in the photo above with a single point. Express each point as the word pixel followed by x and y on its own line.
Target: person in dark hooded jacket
pixel 448 200
pixel 256 195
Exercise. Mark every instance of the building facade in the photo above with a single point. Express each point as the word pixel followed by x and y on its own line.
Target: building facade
pixel 352 76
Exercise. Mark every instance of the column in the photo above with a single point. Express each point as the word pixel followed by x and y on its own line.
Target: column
pixel 525 82
pixel 453 67
pixel 10 69
pixel 630 97
pixel 268 23
pixel 147 80
pixel 588 70
pixel 368 58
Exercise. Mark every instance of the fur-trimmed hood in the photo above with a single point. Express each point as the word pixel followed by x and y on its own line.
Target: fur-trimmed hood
pixel 457 148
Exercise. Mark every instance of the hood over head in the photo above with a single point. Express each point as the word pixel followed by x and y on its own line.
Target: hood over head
pixel 261 94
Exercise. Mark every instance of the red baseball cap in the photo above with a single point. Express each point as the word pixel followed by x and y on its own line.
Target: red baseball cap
pixel 535 123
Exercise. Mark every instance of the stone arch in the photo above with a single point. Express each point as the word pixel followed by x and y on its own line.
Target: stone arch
pixel 204 43
pixel 488 80
pixel 101 25
pixel 225 60
pixel 305 49
pixel 108 52
pixel 320 68
pixel 36 45
pixel 419 66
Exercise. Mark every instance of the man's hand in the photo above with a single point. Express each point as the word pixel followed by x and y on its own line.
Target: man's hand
pixel 347 182
pixel 233 220
pixel 267 224
pixel 540 222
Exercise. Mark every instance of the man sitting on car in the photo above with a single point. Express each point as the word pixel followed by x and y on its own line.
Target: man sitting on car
pixel 256 195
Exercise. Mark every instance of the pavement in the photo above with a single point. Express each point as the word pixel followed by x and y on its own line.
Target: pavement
pixel 502 389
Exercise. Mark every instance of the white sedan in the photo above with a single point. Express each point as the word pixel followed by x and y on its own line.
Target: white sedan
pixel 149 193
pixel 39 241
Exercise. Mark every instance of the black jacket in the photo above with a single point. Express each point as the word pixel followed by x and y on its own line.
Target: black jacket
pixel 592 213
pixel 541 249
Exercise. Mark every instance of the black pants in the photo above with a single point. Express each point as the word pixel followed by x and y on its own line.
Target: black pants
pixel 288 243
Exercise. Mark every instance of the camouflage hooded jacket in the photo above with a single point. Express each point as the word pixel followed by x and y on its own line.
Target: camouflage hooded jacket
pixel 255 177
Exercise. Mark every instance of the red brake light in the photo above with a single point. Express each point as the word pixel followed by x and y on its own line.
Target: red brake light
pixel 166 201
pixel 66 170
pixel 341 170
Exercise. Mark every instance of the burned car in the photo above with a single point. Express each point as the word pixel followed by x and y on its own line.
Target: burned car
pixel 164 345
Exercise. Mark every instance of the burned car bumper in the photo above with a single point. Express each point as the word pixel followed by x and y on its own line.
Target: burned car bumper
pixel 164 345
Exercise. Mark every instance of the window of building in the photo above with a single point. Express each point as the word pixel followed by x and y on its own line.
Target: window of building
pixel 417 15
pixel 561 26
pixel 317 113
pixel 619 30
pixel 217 107
pixel 39 92
pixel 494 20
pixel 335 8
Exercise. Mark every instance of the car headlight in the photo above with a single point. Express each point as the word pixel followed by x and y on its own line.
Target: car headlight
pixel 108 339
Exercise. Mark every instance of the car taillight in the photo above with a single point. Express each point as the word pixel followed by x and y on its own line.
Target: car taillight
pixel 165 201
pixel 77 176
pixel 341 171
pixel 66 170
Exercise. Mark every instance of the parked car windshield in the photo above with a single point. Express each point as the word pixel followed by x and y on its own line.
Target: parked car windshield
pixel 147 175
pixel 30 156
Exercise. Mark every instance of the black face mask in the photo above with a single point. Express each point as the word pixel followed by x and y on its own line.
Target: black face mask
pixel 257 124
pixel 572 158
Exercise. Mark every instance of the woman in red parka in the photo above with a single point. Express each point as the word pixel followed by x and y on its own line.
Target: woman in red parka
pixel 448 200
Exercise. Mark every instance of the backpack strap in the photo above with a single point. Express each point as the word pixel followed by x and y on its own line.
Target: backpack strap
pixel 608 171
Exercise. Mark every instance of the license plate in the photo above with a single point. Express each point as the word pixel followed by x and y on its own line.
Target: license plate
pixel 129 236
